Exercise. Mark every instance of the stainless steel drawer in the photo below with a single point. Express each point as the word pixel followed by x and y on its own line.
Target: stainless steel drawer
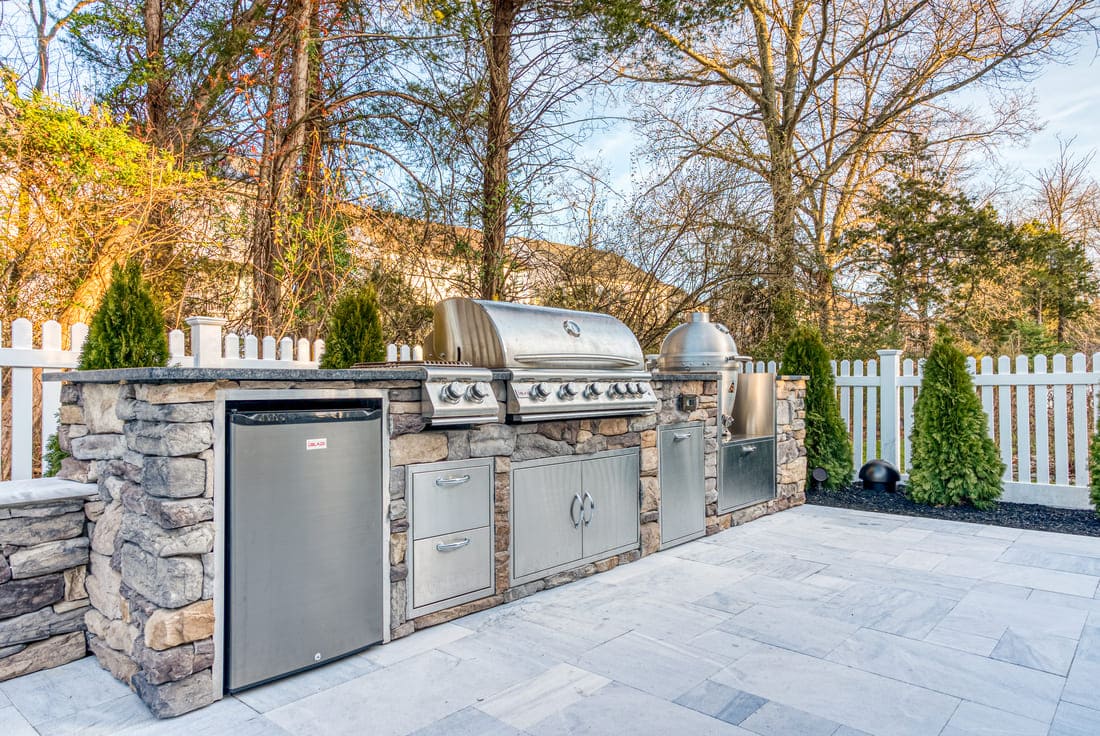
pixel 451 565
pixel 450 497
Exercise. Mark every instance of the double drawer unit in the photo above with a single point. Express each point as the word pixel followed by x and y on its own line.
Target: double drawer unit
pixel 451 523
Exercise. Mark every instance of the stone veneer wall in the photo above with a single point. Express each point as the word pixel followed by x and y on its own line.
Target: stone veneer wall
pixel 150 449
pixel 43 563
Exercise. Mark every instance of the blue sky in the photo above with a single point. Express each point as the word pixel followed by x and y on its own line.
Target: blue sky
pixel 1067 107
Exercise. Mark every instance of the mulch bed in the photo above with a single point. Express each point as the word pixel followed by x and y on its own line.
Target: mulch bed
pixel 1016 515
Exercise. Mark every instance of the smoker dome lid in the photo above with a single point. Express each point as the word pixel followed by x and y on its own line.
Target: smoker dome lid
pixel 698 344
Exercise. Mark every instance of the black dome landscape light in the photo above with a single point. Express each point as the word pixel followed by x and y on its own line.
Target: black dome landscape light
pixel 879 475
pixel 819 476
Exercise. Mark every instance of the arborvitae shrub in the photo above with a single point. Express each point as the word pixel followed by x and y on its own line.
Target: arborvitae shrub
pixel 827 444
pixel 1094 471
pixel 128 329
pixel 354 333
pixel 954 460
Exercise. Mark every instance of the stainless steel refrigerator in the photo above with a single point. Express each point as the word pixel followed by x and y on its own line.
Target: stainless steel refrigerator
pixel 304 535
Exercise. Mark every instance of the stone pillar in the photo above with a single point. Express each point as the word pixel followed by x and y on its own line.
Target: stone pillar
pixel 151 562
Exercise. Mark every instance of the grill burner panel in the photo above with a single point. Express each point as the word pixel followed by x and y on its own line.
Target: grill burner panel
pixel 531 399
pixel 452 392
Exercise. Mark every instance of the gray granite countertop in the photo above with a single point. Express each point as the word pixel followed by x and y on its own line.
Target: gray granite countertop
pixel 194 375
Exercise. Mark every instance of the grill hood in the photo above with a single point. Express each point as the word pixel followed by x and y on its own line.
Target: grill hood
pixel 699 345
pixel 505 335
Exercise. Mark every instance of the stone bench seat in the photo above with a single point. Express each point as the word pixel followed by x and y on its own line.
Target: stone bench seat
pixel 44 550
pixel 43 490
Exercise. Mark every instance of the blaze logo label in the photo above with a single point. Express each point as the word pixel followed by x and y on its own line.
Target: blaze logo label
pixel 317 444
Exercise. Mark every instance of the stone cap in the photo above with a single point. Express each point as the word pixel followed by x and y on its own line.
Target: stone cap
pixel 41 490
pixel 678 377
pixel 792 378
pixel 187 375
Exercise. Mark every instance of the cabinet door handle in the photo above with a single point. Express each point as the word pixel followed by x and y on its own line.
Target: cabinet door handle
pixel 455 481
pixel 452 546
pixel 591 502
pixel 573 509
pixel 681 436
pixel 748 449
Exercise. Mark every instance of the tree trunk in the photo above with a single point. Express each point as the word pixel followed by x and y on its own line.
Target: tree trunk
pixel 279 172
pixel 498 141
pixel 156 93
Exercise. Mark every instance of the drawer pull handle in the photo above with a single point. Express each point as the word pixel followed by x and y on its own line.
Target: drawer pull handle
pixel 681 436
pixel 573 510
pixel 452 481
pixel 591 507
pixel 748 449
pixel 452 546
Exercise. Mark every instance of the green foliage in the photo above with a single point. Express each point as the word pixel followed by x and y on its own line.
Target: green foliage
pixel 925 252
pixel 354 333
pixel 1094 471
pixel 954 460
pixel 53 455
pixel 128 328
pixel 827 444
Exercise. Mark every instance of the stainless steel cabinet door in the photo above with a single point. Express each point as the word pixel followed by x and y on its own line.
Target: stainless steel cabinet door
pixel 748 472
pixel 683 488
pixel 304 545
pixel 546 514
pixel 610 503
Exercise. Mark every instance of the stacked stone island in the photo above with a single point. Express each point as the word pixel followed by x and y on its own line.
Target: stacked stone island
pixel 147 438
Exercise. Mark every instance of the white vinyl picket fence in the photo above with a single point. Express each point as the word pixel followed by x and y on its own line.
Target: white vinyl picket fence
pixel 1042 413
pixel 34 403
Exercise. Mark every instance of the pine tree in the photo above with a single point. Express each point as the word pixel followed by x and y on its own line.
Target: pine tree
pixel 354 333
pixel 127 329
pixel 954 460
pixel 827 444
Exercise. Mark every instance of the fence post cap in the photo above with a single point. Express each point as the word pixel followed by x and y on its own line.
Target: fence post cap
pixel 888 353
pixel 194 321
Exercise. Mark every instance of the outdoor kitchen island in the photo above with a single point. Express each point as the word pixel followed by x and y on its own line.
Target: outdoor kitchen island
pixel 153 440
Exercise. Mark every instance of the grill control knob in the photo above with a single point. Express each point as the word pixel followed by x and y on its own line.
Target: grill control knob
pixel 452 392
pixel 593 390
pixel 639 388
pixel 478 391
pixel 631 389
pixel 617 389
pixel 567 391
pixel 539 391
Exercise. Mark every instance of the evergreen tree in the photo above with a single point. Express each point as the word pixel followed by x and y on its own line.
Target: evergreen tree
pixel 354 333
pixel 954 459
pixel 827 444
pixel 128 329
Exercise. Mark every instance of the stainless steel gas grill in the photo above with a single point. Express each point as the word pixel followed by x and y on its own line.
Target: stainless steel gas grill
pixel 562 364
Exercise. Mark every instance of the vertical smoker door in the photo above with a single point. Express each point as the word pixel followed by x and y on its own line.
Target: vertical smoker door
pixel 304 539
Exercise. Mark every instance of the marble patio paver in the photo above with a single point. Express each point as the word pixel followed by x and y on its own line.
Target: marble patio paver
pixel 813 621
